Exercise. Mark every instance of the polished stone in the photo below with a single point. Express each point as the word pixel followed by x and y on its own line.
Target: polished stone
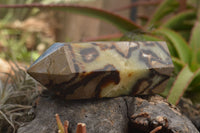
pixel 103 69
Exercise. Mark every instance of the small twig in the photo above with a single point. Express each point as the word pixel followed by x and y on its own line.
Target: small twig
pixel 66 125
pixel 59 123
pixel 18 109
pixel 17 106
pixel 156 129
pixel 81 128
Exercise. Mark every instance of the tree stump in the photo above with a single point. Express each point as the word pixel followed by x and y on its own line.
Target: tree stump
pixel 114 115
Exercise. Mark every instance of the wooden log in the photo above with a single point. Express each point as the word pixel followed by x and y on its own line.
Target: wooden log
pixel 150 112
pixel 114 115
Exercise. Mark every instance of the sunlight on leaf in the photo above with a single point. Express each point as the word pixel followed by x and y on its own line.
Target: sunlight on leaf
pixel 195 44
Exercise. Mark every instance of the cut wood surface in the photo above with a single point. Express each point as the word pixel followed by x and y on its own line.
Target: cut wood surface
pixel 115 115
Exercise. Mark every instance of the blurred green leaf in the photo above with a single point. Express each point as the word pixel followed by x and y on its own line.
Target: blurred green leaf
pixel 198 55
pixel 194 66
pixel 196 80
pixel 179 21
pixel 167 7
pixel 195 37
pixel 185 34
pixel 180 85
pixel 179 64
pixel 193 92
pixel 195 44
pixel 183 50
pixel 172 50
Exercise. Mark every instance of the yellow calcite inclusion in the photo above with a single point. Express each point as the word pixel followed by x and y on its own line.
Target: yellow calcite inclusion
pixel 130 69
pixel 125 85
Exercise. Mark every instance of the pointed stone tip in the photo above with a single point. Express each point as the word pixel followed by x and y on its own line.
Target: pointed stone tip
pixel 50 50
pixel 28 70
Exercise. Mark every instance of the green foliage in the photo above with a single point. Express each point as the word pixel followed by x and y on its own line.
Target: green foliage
pixel 181 21
pixel 167 7
pixel 181 83
pixel 185 62
pixel 195 44
pixel 14 43
pixel 178 64
pixel 179 43
pixel 185 53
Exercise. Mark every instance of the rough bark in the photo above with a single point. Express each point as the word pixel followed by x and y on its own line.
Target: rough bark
pixel 151 112
pixel 115 115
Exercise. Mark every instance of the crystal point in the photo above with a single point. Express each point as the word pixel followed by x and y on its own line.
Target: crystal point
pixel 103 69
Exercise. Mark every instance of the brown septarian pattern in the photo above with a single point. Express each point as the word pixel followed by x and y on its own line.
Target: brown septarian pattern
pixel 103 69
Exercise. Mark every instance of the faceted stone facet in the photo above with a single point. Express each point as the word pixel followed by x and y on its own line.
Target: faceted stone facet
pixel 103 69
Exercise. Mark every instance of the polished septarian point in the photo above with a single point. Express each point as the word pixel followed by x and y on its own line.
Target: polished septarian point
pixel 103 69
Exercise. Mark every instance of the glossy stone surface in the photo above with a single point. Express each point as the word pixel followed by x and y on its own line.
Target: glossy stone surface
pixel 103 69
